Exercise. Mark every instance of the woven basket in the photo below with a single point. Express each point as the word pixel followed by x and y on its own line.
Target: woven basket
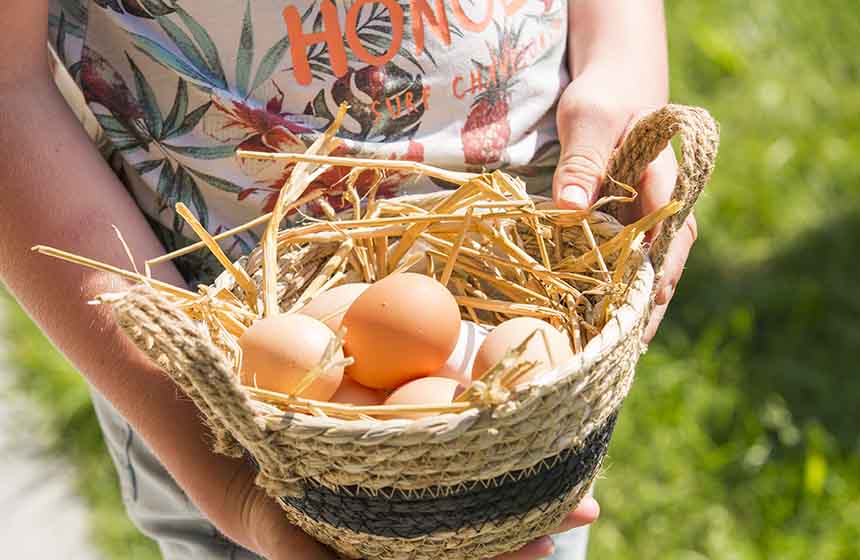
pixel 463 486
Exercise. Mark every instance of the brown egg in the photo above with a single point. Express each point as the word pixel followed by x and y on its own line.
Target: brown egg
pixel 351 392
pixel 427 390
pixel 511 334
pixel 401 328
pixel 277 352
pixel 331 305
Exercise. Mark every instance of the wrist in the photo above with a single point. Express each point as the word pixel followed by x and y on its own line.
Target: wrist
pixel 237 512
pixel 617 87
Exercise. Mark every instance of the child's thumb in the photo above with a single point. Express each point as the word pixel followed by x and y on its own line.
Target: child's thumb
pixel 587 136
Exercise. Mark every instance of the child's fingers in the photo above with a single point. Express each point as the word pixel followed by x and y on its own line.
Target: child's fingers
pixel 539 548
pixel 657 314
pixel 585 513
pixel 588 133
pixel 655 189
pixel 673 268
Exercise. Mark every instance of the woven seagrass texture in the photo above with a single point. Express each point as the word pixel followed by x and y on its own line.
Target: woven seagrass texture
pixel 181 349
pixel 699 136
pixel 491 537
pixel 467 543
pixel 396 513
pixel 294 451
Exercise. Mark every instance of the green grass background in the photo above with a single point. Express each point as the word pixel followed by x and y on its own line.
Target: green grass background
pixel 740 439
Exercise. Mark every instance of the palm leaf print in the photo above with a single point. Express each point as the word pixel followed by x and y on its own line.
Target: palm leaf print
pixel 146 97
pixel 195 55
pixel 159 54
pixel 202 152
pixel 65 27
pixel 270 62
pixel 191 121
pixel 145 167
pixel 178 182
pixel 191 51
pixel 149 9
pixel 245 56
pixel 207 45
pixel 178 122
pixel 135 122
pixel 74 10
pixel 179 109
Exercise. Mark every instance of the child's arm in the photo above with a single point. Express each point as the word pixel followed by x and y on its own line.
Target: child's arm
pixel 617 58
pixel 55 189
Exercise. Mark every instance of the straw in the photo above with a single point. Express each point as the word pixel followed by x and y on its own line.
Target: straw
pixel 239 274
pixel 264 219
pixel 458 178
pixel 103 267
pixel 293 188
pixel 501 255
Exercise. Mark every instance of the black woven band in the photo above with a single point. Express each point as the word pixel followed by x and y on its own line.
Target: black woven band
pixel 391 513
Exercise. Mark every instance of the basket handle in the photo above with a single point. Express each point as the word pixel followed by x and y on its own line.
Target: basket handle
pixel 699 135
pixel 171 340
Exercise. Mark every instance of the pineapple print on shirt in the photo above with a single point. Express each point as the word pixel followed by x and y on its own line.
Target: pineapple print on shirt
pixel 486 132
pixel 179 85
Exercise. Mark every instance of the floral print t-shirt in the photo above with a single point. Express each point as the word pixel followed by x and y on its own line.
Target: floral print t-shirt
pixel 177 86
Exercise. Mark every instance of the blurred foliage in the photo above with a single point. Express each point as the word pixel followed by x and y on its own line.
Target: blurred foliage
pixel 72 431
pixel 740 439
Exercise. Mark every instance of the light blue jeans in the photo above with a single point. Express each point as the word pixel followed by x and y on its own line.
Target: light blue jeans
pixel 162 511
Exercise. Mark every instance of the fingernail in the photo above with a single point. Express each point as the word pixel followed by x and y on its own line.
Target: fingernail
pixel 547 547
pixel 665 294
pixel 575 196
pixel 589 507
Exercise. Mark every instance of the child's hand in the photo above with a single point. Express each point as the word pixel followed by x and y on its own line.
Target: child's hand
pixel 617 57
pixel 584 514
pixel 590 131
pixel 266 529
